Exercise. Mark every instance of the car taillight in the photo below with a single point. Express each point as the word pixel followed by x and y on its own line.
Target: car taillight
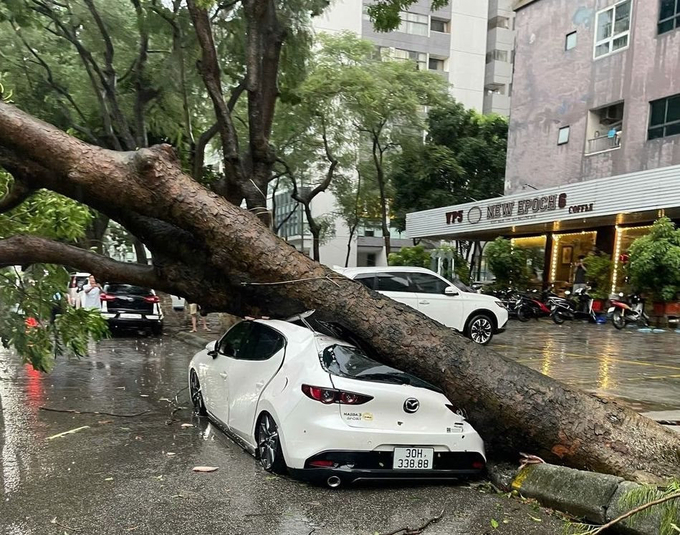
pixel 477 465
pixel 107 297
pixel 330 395
pixel 151 299
pixel 321 464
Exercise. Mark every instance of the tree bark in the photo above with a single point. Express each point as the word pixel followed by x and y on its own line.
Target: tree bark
pixel 254 272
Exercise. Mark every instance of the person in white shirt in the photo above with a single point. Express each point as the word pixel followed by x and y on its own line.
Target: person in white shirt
pixel 91 292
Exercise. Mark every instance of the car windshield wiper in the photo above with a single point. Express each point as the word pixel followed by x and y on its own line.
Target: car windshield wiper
pixel 386 377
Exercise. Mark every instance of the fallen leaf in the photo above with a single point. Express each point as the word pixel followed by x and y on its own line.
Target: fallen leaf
pixel 205 468
pixel 144 395
pixel 187 425
pixel 494 523
pixel 108 479
pixel 269 478
pixel 103 422
pixel 535 519
pixel 170 453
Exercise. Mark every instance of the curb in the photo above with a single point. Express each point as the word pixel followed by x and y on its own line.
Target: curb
pixel 592 496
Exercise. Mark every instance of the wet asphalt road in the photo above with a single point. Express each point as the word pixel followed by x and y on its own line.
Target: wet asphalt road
pixel 640 368
pixel 134 475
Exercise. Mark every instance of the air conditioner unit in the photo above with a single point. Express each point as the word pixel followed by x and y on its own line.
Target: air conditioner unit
pixel 612 114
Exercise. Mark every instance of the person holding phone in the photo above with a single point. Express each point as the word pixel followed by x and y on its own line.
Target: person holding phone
pixel 91 294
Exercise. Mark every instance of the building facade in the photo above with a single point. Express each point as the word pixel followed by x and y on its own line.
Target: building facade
pixel 594 139
pixel 500 53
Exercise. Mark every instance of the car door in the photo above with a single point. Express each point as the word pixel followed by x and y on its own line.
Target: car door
pixel 396 285
pixel 447 309
pixel 248 375
pixel 229 347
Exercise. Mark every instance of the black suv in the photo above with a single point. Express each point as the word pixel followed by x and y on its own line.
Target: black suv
pixel 126 306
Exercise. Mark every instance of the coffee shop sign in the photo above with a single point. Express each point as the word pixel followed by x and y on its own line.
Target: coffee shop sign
pixel 524 208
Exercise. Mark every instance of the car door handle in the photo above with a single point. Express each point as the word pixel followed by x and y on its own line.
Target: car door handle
pixel 223 375
pixel 424 302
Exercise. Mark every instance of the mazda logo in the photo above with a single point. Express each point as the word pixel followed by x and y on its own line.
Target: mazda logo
pixel 411 405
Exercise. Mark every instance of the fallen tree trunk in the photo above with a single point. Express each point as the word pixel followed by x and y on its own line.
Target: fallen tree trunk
pixel 248 270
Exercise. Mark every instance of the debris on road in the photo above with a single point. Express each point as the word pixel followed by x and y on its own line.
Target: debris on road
pixel 205 468
pixel 69 432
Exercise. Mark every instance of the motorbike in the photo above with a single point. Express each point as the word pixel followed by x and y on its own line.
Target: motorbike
pixel 578 307
pixel 528 306
pixel 623 313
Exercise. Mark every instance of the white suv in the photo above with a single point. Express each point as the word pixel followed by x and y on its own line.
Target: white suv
pixel 475 315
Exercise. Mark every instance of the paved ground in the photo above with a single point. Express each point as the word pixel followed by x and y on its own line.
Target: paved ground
pixel 641 368
pixel 134 475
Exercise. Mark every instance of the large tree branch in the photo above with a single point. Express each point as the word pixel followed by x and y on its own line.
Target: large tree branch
pixel 143 93
pixel 210 72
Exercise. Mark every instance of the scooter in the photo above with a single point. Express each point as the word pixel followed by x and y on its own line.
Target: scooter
pixel 632 312
pixel 580 307
pixel 528 307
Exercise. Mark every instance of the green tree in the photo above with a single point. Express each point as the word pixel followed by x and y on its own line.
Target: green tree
pixel 507 263
pixel 462 160
pixel 654 265
pixel 599 274
pixel 411 256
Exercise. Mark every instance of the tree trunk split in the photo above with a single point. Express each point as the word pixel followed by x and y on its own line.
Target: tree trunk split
pixel 513 407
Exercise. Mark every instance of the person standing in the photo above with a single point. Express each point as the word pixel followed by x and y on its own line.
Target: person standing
pixel 91 294
pixel 580 275
pixel 193 312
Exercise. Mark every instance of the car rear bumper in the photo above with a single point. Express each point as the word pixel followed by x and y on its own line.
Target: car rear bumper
pixel 355 466
pixel 126 319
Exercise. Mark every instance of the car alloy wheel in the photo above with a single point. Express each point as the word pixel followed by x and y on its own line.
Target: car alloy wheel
pixel 269 445
pixel 196 394
pixel 481 330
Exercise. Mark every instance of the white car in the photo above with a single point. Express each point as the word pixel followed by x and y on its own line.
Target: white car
pixel 313 405
pixel 475 315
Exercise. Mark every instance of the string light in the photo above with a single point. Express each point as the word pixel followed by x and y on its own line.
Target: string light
pixel 553 256
pixel 620 231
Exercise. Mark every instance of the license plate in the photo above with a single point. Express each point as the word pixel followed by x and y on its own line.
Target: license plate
pixel 611 310
pixel 131 316
pixel 413 458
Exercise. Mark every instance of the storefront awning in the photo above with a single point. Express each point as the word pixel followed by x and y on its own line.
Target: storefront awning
pixel 618 200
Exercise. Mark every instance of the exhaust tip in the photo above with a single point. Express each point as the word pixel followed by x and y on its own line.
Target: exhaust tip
pixel 334 482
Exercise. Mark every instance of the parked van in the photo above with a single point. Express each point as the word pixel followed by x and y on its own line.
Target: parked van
pixel 477 316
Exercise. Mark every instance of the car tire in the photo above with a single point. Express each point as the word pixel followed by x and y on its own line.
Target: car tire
pixel 269 451
pixel 480 329
pixel 196 395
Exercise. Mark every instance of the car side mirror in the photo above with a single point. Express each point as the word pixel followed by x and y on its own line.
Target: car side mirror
pixel 210 347
pixel 450 290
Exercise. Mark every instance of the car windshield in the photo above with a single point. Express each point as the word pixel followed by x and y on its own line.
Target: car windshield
pixel 126 289
pixel 350 362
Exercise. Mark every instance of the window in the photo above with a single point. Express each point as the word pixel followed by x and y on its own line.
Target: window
pixel 393 282
pixel 263 343
pixel 497 55
pixel 438 25
pixel 669 15
pixel 499 22
pixel 612 29
pixel 367 279
pixel 563 135
pixel 406 55
pixel 570 41
pixel 370 260
pixel 428 284
pixel 436 64
pixel 233 343
pixel 664 119
pixel 413 23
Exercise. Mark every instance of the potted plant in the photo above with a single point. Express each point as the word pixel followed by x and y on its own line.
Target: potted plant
pixel 599 275
pixel 654 267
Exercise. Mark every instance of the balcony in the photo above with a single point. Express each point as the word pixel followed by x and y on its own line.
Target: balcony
pixel 604 143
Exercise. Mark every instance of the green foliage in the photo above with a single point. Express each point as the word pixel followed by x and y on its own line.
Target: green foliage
pixel 450 256
pixel 462 160
pixel 411 256
pixel 654 265
pixel 508 264
pixel 37 322
pixel 599 274
pixel 668 510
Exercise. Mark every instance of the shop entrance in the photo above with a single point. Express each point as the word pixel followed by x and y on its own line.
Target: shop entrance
pixel 566 250
pixel 534 252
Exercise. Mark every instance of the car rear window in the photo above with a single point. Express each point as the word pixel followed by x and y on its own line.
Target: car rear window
pixel 351 362
pixel 126 289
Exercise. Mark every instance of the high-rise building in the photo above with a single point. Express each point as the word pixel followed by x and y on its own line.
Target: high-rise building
pixel 500 45
pixel 594 136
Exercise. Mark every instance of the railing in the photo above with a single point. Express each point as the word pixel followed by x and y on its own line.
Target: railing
pixel 602 143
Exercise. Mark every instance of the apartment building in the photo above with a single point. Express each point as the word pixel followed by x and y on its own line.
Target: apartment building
pixel 500 45
pixel 594 139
